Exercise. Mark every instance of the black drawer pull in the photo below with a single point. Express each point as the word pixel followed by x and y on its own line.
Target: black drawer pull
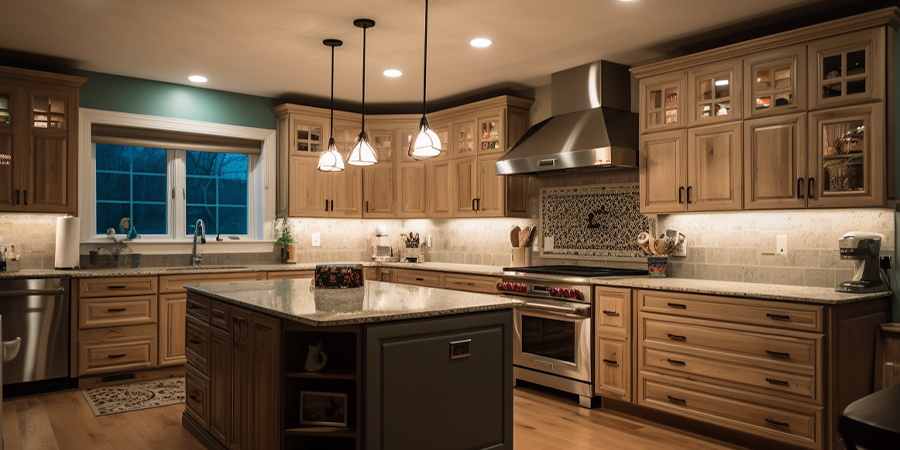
pixel 676 362
pixel 677 306
pixel 777 382
pixel 778 354
pixel 195 398
pixel 778 316
pixel 609 361
pixel 194 341
pixel 680 401
pixel 780 424
pixel 676 337
pixel 192 305
pixel 611 313
pixel 115 310
pixel 116 356
pixel 218 314
pixel 116 286
pixel 420 279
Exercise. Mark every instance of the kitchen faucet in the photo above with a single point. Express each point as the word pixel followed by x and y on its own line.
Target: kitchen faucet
pixel 198 231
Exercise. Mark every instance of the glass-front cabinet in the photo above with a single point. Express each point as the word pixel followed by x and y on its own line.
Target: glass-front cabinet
pixel 464 138
pixel 9 99
pixel 490 139
pixel 714 93
pixel 846 156
pixel 662 102
pixel 775 82
pixel 308 138
pixel 847 69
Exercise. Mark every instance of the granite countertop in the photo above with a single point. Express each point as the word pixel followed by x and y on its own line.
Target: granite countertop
pixel 296 299
pixel 781 292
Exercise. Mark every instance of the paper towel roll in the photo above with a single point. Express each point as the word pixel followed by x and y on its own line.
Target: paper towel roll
pixel 67 235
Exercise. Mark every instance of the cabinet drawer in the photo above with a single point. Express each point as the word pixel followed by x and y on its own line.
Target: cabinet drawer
pixel 125 355
pixel 286 274
pixel 219 314
pixel 172 283
pixel 796 424
pixel 111 312
pixel 613 368
pixel 419 278
pixel 116 286
pixel 196 341
pixel 744 376
pixel 198 307
pixel 116 333
pixel 765 350
pixel 484 285
pixel 196 395
pixel 613 310
pixel 752 312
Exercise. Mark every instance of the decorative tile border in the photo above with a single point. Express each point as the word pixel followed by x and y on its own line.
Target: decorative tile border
pixel 595 220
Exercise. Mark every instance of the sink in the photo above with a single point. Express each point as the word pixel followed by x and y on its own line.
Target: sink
pixel 202 267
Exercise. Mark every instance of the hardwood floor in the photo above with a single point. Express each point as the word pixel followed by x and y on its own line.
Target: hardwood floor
pixel 544 420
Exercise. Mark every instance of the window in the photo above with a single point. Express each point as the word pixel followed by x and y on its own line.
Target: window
pixel 131 183
pixel 217 192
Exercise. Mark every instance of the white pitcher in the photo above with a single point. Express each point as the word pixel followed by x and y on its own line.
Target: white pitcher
pixel 315 359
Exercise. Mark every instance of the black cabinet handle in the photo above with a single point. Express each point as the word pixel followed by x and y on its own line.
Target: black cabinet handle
pixel 811 188
pixel 478 203
pixel 677 306
pixel 25 195
pixel 778 354
pixel 367 206
pixel 778 316
pixel 116 286
pixel 609 361
pixel 676 362
pixel 611 313
pixel 800 188
pixel 332 205
pixel 776 423
pixel 112 310
pixel 420 279
pixel 195 398
pixel 194 341
pixel 192 305
pixel 777 382
pixel 218 314
pixel 116 356
pixel 680 194
pixel 690 189
pixel 676 337
pixel 680 401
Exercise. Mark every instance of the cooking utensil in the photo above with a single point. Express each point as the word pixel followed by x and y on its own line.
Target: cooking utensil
pixel 514 236
pixel 523 236
pixel 661 246
pixel 530 241
pixel 643 241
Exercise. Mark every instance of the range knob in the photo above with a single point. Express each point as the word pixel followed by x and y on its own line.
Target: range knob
pixel 567 293
pixel 552 291
pixel 522 288
pixel 501 286
pixel 577 294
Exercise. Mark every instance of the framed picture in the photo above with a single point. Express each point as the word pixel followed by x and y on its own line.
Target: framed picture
pixel 323 408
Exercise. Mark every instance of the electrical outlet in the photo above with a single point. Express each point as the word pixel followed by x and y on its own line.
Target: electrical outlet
pixel 316 239
pixel 781 245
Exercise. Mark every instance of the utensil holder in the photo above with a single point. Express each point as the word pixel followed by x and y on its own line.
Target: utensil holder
pixel 521 256
pixel 657 265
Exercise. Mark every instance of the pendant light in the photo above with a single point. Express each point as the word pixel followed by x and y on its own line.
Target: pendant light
pixel 331 160
pixel 426 143
pixel 362 153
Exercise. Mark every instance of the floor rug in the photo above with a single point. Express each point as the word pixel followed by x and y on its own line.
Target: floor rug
pixel 136 396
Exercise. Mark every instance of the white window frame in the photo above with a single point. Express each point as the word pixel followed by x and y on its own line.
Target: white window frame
pixel 260 186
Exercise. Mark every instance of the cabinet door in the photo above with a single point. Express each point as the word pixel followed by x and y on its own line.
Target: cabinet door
pixel 846 156
pixel 10 156
pixel 440 192
pixel 344 192
pixel 465 187
pixel 714 168
pixel 172 313
pixel 219 386
pixel 265 385
pixel 714 93
pixel 51 167
pixel 517 196
pixel 378 190
pixel 307 138
pixel 491 200
pixel 663 172
pixel 775 82
pixel 613 368
pixel 464 138
pixel 847 69
pixel 413 200
pixel 491 135
pixel 662 102
pixel 307 188
pixel 775 162
pixel 239 371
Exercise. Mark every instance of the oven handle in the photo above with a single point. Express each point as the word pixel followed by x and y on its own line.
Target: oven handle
pixel 575 310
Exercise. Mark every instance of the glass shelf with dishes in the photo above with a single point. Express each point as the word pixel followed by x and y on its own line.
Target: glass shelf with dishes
pixel 847 69
pixel 464 144
pixel 49 112
pixel 489 136
pixel 5 110
pixel 308 138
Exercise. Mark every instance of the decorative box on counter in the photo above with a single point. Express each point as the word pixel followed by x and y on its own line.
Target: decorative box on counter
pixel 339 276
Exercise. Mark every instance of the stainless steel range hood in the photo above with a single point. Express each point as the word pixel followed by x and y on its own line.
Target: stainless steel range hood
pixel 592 126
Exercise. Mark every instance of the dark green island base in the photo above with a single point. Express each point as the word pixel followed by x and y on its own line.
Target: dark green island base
pixel 407 367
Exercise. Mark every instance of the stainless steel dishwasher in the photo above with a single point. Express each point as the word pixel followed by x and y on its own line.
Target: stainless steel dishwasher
pixel 36 311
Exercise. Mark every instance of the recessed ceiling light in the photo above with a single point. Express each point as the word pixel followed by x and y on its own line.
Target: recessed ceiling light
pixel 197 78
pixel 392 73
pixel 480 42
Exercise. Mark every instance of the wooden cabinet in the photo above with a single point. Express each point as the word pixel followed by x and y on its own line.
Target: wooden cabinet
pixel 172 310
pixel 464 144
pixel 663 174
pixel 307 188
pixel 465 187
pixel 775 162
pixel 847 69
pixel 479 191
pixel 418 277
pixel 38 141
pixel 613 342
pixel 438 175
pixel 662 102
pixel 492 190
pixel 378 181
pixel 471 283
pixel 412 188
pixel 238 406
pixel 714 93
pixel 775 82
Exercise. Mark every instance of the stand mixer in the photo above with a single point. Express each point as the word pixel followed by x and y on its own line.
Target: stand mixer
pixel 863 248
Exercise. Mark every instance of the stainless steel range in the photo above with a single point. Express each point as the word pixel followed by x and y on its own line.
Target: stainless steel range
pixel 554 325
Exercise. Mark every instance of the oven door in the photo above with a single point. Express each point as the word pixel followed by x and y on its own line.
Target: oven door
pixel 554 337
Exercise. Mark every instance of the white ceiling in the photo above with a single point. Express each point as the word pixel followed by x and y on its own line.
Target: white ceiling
pixel 274 48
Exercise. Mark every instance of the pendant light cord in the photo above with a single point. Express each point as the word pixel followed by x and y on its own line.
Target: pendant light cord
pixel 364 82
pixel 331 126
pixel 425 65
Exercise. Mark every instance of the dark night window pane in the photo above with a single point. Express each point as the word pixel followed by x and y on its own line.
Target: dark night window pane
pixel 201 190
pixel 127 177
pixel 233 220
pixel 205 213
pixel 217 192
pixel 109 215
pixel 113 186
pixel 232 192
pixel 153 218
pixel 150 188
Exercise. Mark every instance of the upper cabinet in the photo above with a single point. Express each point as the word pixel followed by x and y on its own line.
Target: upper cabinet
pixel 38 141
pixel 662 102
pixel 775 82
pixel 714 93
pixel 847 69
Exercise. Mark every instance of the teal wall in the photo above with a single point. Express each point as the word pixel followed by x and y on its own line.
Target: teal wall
pixel 154 98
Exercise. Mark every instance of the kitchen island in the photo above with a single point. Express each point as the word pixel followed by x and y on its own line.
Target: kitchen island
pixel 406 367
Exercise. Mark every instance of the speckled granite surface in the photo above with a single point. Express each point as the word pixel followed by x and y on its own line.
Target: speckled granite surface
pixel 802 294
pixel 296 299
pixel 472 269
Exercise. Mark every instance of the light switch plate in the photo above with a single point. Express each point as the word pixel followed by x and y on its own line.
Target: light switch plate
pixel 316 239
pixel 781 245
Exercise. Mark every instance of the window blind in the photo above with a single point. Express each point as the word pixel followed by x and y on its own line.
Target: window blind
pixel 174 140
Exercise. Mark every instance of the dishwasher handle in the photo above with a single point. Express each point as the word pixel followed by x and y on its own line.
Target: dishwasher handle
pixel 11 349
pixel 26 292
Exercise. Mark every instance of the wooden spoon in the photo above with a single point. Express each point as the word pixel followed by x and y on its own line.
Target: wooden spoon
pixel 523 236
pixel 514 236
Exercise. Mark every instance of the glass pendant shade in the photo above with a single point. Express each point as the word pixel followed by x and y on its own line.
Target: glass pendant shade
pixel 331 160
pixel 426 143
pixel 362 154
